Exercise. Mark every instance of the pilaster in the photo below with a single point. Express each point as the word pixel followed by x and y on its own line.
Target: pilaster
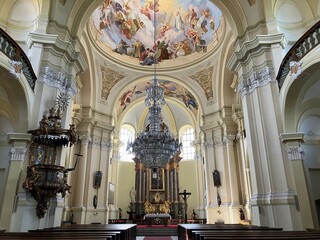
pixel 57 63
pixel 79 192
pixel 19 142
pixel 295 156
pixel 273 191
pixel 241 149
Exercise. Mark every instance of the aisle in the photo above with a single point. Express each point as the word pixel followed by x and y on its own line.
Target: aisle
pixel 157 238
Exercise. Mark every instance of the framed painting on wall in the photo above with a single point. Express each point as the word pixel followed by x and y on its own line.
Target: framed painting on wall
pixel 156 179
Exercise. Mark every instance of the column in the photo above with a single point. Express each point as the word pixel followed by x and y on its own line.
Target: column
pixel 17 154
pixel 167 183
pixel 295 156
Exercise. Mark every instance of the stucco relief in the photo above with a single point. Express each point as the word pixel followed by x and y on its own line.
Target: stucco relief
pixel 205 78
pixel 58 79
pixel 256 79
pixel 295 153
pixel 109 78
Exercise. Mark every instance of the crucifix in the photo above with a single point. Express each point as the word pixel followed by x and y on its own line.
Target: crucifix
pixel 185 196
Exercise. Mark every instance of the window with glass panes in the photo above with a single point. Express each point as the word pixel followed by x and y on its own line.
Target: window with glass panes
pixel 126 136
pixel 187 138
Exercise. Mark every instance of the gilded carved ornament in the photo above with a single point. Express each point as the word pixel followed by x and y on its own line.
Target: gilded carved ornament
pixel 109 78
pixel 205 78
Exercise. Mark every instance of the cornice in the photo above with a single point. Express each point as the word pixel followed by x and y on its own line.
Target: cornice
pixel 252 46
pixel 60 47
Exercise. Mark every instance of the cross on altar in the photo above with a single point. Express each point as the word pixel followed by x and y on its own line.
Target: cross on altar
pixel 185 196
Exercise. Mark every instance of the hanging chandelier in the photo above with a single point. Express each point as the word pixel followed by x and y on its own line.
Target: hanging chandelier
pixel 156 145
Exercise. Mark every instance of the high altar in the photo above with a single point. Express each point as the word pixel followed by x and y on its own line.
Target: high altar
pixel 157 190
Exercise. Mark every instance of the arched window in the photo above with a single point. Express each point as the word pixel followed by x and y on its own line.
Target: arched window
pixel 187 140
pixel 126 136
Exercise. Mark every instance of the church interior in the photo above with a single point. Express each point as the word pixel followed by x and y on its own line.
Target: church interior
pixel 159 112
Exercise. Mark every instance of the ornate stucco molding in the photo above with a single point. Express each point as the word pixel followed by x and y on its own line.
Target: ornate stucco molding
pixel 256 79
pixel 295 153
pixel 103 144
pixel 106 144
pixel 56 79
pixel 229 139
pixel 16 68
pixel 204 78
pixel 109 77
pixel 295 69
pixel 17 153
pixel 208 144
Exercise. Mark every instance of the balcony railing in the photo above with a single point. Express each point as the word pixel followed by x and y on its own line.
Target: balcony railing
pixel 14 52
pixel 300 49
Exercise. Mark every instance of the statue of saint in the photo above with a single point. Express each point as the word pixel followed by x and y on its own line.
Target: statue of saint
pixel 132 195
pixel 241 212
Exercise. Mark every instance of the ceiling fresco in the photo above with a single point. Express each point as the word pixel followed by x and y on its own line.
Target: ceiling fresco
pixel 171 89
pixel 147 30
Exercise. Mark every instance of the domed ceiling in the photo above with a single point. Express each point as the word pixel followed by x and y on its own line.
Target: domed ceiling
pixel 175 33
pixel 161 29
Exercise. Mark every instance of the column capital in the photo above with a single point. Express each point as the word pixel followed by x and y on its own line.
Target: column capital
pixel 19 139
pixel 249 83
pixel 19 142
pixel 229 139
pixel 295 153
pixel 297 138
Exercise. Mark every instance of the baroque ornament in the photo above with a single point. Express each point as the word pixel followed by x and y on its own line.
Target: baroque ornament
pixel 16 68
pixel 45 179
pixel 295 69
pixel 205 78
pixel 256 79
pixel 109 78
pixel 58 80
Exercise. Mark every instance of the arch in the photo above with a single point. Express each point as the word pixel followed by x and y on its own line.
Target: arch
pixel 16 106
pixel 294 91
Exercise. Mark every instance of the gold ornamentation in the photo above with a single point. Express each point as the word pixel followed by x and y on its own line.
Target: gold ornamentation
pixel 44 178
pixel 205 79
pixel 109 79
pixel 150 208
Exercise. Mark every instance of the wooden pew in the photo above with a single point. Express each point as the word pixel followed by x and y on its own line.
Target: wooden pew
pixel 58 235
pixel 185 230
pixel 205 235
pixel 127 231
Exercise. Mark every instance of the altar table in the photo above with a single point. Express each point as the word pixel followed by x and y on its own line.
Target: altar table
pixel 157 219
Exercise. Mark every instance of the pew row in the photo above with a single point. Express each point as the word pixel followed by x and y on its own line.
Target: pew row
pixel 238 231
pixel 80 231
pixel 185 230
